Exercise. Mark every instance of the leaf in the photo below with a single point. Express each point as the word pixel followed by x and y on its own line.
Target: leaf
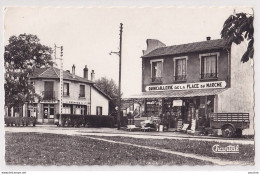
pixel 22 55
pixel 236 29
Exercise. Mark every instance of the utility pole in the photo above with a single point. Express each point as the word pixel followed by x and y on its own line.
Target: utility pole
pixel 119 53
pixel 61 79
pixel 119 84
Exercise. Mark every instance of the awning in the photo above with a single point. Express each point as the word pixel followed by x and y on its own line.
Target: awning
pixel 177 93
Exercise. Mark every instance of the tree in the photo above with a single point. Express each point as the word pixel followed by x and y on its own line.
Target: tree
pixel 109 87
pixel 237 28
pixel 22 55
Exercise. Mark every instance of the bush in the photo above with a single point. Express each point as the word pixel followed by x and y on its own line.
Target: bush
pixel 20 121
pixel 86 120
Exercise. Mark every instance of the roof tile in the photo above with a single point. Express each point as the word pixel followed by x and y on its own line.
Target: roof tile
pixel 54 73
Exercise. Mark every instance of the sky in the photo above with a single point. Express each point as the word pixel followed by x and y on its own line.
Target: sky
pixel 88 35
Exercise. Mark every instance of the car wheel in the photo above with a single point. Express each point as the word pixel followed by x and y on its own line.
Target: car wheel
pixel 228 132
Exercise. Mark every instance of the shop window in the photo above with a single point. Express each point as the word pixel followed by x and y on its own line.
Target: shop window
pixel 82 91
pixel 209 66
pixel 66 89
pixel 66 109
pixel 156 70
pixel 152 107
pixel 80 110
pixel 9 112
pixel 180 68
pixel 98 110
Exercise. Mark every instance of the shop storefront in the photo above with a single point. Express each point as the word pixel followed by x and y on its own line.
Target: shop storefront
pixel 174 110
pixel 175 105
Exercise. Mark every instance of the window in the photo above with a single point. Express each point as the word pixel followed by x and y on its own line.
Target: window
pixel 82 91
pixel 66 89
pixel 48 93
pixel 99 110
pixel 209 65
pixel 80 110
pixel 88 110
pixel 156 70
pixel 152 107
pixel 66 109
pixel 180 68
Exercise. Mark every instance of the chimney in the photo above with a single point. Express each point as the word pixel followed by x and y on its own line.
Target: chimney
pixel 208 38
pixel 85 72
pixel 152 44
pixel 73 71
pixel 92 75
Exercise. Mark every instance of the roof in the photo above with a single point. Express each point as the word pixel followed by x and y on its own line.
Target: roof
pixel 187 48
pixel 54 73
pixel 179 93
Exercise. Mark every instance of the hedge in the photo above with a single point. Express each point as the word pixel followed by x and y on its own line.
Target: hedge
pixel 69 120
pixel 20 121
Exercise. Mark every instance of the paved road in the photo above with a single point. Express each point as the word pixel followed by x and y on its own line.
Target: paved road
pixel 115 132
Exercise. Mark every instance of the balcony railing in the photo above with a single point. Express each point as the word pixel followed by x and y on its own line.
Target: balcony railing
pixel 209 75
pixel 48 95
pixel 157 79
pixel 180 78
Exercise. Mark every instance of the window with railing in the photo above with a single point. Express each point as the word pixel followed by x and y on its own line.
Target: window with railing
pixel 156 71
pixel 209 67
pixel 180 69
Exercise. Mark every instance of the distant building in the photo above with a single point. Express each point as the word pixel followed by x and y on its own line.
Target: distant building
pixel 80 95
pixel 191 81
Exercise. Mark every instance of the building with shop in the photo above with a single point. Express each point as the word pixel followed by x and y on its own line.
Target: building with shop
pixel 190 81
pixel 80 95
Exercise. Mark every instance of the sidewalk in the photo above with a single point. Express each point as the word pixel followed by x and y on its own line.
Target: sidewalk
pixel 114 132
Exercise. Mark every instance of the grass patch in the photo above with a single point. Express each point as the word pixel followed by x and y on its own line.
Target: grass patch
pixel 52 149
pixel 246 152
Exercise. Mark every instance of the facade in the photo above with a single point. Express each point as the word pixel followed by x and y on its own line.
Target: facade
pixel 80 95
pixel 188 82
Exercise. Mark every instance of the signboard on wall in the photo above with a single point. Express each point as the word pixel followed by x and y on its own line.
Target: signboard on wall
pixel 177 103
pixel 75 102
pixel 187 86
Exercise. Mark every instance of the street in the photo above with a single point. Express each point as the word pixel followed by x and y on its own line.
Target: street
pixel 173 148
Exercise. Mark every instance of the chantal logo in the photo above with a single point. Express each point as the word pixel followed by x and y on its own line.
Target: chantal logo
pixel 228 149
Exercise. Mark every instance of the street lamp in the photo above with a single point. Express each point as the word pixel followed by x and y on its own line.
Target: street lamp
pixel 119 53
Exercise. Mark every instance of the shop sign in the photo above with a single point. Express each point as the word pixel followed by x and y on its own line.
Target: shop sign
pixel 49 102
pixel 177 103
pixel 75 102
pixel 187 86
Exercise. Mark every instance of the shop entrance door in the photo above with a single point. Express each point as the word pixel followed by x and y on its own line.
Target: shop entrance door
pixel 51 116
pixel 45 114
